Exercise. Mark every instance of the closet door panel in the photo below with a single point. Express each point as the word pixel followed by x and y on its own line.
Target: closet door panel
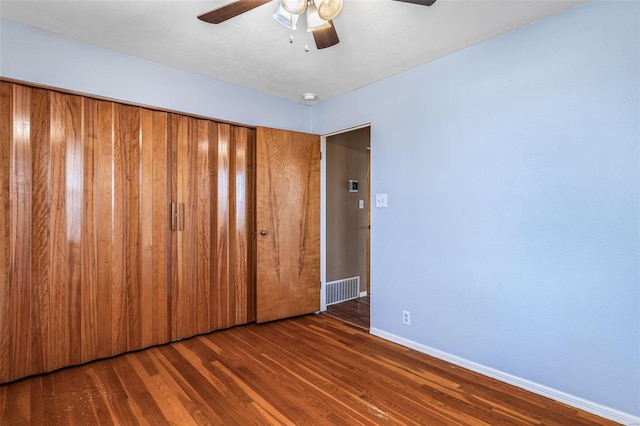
pixel 119 233
pixel 205 137
pixel 6 134
pixel 133 223
pixel 220 292
pixel 233 294
pixel 191 140
pixel 146 224
pixel 191 212
pixel 155 236
pixel 74 204
pixel 181 300
pixel 111 218
pixel 60 311
pixel 243 268
pixel 146 227
pixel 16 291
pixel 161 232
pixel 20 238
pixel 40 223
pixel 104 222
pixel 213 186
pixel 56 183
pixel 43 215
pixel 89 234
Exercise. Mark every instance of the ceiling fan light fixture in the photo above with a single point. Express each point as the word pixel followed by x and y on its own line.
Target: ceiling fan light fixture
pixel 282 16
pixel 314 22
pixel 295 7
pixel 329 9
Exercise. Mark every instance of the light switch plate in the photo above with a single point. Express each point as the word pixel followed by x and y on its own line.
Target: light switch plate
pixel 381 200
pixel 361 204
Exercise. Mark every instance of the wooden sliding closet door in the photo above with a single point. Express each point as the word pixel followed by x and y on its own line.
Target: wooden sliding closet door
pixel 212 254
pixel 149 235
pixel 93 260
pixel 15 234
pixel 84 198
pixel 123 216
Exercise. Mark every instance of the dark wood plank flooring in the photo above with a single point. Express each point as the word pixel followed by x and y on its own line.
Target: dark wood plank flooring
pixel 310 370
pixel 354 312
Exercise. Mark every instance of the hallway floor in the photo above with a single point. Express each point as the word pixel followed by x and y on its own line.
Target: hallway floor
pixel 354 312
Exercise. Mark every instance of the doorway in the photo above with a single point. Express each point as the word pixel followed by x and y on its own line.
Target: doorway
pixel 347 226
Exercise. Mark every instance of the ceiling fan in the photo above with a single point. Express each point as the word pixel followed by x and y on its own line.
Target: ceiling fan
pixel 319 14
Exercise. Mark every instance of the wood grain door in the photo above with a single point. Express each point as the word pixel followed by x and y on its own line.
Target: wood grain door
pixel 83 236
pixel 89 265
pixel 212 267
pixel 287 223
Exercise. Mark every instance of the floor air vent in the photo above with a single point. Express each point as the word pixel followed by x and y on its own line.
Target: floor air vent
pixel 341 290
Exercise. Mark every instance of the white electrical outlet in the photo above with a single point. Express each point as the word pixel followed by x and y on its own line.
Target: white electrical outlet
pixel 406 317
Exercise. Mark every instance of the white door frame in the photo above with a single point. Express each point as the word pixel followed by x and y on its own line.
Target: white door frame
pixel 323 209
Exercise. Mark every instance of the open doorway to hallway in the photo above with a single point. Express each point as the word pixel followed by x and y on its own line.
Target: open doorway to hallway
pixel 348 195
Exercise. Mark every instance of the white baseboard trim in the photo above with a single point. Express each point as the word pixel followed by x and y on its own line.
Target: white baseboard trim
pixel 363 294
pixel 574 401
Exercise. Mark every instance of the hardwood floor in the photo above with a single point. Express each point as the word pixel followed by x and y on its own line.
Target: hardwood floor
pixel 310 370
pixel 354 312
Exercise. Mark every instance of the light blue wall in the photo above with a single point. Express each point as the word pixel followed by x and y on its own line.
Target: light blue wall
pixel 513 230
pixel 41 57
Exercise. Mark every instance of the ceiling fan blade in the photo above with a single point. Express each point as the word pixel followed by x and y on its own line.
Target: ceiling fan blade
pixel 420 2
pixel 231 10
pixel 326 37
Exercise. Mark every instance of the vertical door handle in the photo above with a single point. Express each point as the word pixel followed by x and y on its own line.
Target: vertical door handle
pixel 174 216
pixel 181 214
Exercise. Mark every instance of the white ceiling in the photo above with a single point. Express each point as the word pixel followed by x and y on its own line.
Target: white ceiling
pixel 378 38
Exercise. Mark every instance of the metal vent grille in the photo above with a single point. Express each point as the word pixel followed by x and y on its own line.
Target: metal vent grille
pixel 341 290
